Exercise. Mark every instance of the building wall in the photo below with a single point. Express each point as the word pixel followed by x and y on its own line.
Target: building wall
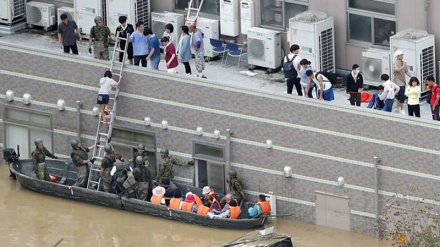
pixel 320 141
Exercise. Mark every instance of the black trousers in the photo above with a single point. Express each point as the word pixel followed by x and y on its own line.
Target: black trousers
pixel 73 47
pixel 355 98
pixel 414 110
pixel 140 59
pixel 187 68
pixel 294 82
pixel 129 51
pixel 435 113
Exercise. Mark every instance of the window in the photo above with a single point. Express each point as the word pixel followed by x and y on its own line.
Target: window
pixel 211 7
pixel 22 127
pixel 276 13
pixel 208 150
pixel 371 21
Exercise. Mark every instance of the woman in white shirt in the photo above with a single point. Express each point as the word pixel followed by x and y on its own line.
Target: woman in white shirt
pixel 413 92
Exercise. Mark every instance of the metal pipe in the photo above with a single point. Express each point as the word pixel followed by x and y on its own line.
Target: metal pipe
pixel 78 119
pixel 376 193
pixel 229 133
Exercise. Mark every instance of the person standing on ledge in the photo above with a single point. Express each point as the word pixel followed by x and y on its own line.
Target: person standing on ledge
pixel 67 30
pixel 100 34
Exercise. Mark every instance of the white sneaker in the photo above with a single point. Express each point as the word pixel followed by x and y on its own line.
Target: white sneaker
pixel 403 112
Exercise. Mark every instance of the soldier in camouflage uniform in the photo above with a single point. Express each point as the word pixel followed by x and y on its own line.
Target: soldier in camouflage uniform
pixel 106 165
pixel 100 34
pixel 235 188
pixel 80 159
pixel 143 178
pixel 140 151
pixel 166 167
pixel 39 158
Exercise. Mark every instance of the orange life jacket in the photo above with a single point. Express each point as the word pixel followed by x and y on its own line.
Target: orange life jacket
pixel 156 199
pixel 198 201
pixel 265 207
pixel 214 201
pixel 234 212
pixel 203 210
pixel 187 206
pixel 175 203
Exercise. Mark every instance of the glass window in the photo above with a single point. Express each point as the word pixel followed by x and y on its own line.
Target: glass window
pixel 207 150
pixel 373 6
pixel 25 117
pixel 360 27
pixel 276 13
pixel 134 137
pixel 371 21
pixel 209 6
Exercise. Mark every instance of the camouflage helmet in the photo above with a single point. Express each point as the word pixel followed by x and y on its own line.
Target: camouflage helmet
pixel 108 148
pixel 164 152
pixel 38 142
pixel 98 19
pixel 139 160
pixel 141 147
pixel 74 143
pixel 232 173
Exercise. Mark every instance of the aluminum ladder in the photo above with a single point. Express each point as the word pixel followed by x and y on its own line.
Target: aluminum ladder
pixel 104 131
pixel 193 13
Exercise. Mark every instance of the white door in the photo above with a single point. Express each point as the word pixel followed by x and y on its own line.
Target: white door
pixel 86 11
pixel 332 211
pixel 116 8
pixel 18 136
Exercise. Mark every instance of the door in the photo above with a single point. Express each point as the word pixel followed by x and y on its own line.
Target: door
pixel 202 173
pixel 18 136
pixel 332 211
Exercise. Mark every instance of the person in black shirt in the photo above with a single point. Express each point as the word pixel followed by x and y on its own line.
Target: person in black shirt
pixel 125 30
pixel 355 83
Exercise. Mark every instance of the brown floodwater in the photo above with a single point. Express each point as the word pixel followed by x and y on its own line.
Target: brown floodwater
pixel 32 219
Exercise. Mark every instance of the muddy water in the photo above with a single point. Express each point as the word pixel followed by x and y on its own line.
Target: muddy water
pixel 31 219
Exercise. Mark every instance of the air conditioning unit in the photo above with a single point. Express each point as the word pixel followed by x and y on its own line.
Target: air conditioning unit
pixel 247 10
pixel 160 19
pixel 85 13
pixel 229 18
pixel 12 11
pixel 40 14
pixel 70 12
pixel 375 62
pixel 117 8
pixel 418 47
pixel 264 48
pixel 210 29
pixel 143 11
pixel 313 31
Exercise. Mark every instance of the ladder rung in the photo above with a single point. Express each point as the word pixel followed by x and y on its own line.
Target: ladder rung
pixel 193 9
pixel 119 38
pixel 103 134
pixel 98 158
pixel 93 182
pixel 119 50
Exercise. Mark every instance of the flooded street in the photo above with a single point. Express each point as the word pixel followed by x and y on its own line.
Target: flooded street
pixel 32 219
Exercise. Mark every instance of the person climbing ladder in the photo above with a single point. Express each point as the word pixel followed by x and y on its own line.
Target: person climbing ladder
pixel 106 84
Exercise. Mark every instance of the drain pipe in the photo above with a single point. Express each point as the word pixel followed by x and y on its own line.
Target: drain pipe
pixel 376 193
pixel 229 133
pixel 78 119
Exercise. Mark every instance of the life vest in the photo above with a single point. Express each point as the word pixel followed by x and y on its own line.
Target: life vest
pixel 265 207
pixel 234 212
pixel 156 199
pixel 203 210
pixel 187 206
pixel 214 201
pixel 175 203
pixel 198 200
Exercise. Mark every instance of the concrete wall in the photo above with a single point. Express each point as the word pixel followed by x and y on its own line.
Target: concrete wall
pixel 319 141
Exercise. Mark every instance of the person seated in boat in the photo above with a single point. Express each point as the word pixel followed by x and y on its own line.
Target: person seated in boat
pixel 158 195
pixel 80 159
pixel 176 200
pixel 228 199
pixel 233 211
pixel 189 204
pixel 170 189
pixel 209 199
pixel 129 185
pixel 39 160
pixel 262 207
pixel 235 188
pixel 143 178
pixel 106 165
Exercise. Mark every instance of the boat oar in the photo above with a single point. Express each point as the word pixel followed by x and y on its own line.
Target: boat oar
pixel 276 215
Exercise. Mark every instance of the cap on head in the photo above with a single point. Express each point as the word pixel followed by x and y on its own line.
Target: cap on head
pixel 141 147
pixel 206 190
pixel 98 19
pixel 74 143
pixel 398 53
pixel 232 173
pixel 164 151
pixel 139 160
pixel 38 142
pixel 107 148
